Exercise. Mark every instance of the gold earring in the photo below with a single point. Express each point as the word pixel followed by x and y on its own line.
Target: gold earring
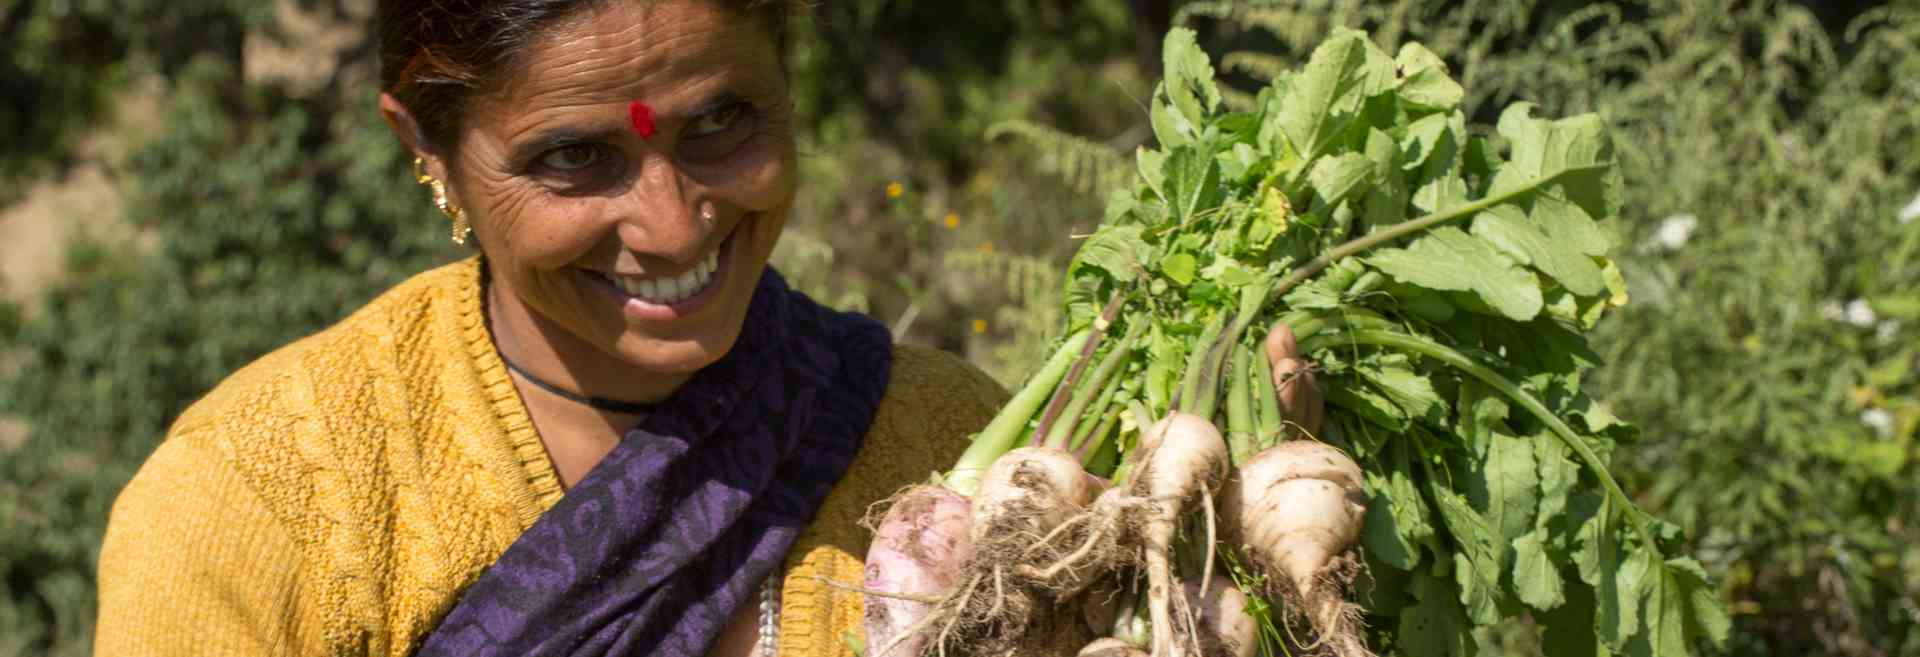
pixel 461 229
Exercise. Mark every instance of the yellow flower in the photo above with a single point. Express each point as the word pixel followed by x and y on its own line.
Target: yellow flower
pixel 953 220
pixel 894 190
pixel 979 326
pixel 986 247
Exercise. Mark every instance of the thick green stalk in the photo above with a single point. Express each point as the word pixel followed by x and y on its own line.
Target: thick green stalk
pixel 1060 393
pixel 1095 442
pixel 1097 386
pixel 1190 398
pixel 1242 435
pixel 1410 226
pixel 1004 431
pixel 1090 417
pixel 1464 363
pixel 1267 423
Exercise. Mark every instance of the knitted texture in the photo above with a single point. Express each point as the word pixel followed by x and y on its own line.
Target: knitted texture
pixel 336 496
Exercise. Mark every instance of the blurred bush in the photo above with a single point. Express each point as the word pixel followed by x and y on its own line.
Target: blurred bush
pixel 1768 353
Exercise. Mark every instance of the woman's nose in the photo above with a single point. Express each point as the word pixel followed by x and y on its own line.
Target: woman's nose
pixel 660 216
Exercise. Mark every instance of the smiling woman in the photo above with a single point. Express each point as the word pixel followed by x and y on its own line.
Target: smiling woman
pixel 612 431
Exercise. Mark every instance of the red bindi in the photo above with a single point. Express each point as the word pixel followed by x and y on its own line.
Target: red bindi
pixel 642 117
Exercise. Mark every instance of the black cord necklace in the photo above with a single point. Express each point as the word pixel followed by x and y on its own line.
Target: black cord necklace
pixel 597 403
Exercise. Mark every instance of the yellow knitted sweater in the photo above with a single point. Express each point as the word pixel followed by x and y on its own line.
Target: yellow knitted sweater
pixel 335 497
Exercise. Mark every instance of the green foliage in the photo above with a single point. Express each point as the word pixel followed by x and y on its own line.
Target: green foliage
pixel 1784 129
pixel 64 58
pixel 303 213
pixel 1444 281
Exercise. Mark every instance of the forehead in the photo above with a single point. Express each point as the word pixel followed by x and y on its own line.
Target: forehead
pixel 623 50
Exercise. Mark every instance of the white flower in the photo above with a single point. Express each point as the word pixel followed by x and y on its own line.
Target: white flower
pixel 1879 419
pixel 1887 330
pixel 1860 314
pixel 1674 231
pixel 1832 311
pixel 1911 212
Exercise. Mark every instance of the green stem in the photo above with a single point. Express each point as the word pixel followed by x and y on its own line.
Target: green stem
pixel 1004 431
pixel 1091 451
pixel 1064 425
pixel 1506 387
pixel 1267 421
pixel 1410 226
pixel 1189 399
pixel 1241 432
pixel 1067 385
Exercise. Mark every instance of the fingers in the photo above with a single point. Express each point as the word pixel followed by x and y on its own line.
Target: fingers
pixel 1301 401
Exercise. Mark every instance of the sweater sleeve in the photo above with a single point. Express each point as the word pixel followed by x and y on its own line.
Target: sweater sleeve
pixel 194 563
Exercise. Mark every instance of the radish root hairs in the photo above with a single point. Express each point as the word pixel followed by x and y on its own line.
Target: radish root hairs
pixel 1183 455
pixel 1297 509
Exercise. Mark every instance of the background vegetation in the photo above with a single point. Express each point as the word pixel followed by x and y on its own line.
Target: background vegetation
pixel 1769 353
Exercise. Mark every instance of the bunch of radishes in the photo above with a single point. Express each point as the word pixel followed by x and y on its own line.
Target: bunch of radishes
pixel 1437 283
pixel 1034 554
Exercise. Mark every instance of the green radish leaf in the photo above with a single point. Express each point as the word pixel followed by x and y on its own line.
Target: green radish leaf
pixel 1117 251
pixel 1509 486
pixel 1179 267
pixel 1625 579
pixel 1152 165
pixel 1170 128
pixel 1413 392
pixel 1366 402
pixel 1679 607
pixel 1569 628
pixel 1192 182
pixel 1336 176
pixel 1558 475
pixel 1424 83
pixel 1340 74
pixel 1435 626
pixel 1398 521
pixel 1535 576
pixel 1434 148
pixel 1189 77
pixel 1447 258
pixel 1477 561
pixel 1388 195
pixel 1530 243
pixel 1574 151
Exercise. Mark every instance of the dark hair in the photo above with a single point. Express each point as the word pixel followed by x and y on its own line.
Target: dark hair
pixel 435 55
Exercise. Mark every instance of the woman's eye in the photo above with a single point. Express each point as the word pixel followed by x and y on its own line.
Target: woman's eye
pixel 571 158
pixel 716 121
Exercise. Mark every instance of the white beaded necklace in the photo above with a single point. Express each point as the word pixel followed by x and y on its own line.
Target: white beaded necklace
pixel 770 614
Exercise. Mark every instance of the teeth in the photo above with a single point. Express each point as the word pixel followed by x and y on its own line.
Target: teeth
pixel 674 289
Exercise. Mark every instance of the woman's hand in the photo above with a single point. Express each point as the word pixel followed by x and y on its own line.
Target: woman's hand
pixel 1301 402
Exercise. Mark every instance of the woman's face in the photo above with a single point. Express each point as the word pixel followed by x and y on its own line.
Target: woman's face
pixel 645 248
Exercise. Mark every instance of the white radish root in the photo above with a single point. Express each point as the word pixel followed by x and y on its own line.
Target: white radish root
pixel 1183 457
pixel 917 551
pixel 1016 530
pixel 1027 492
pixel 1110 647
pixel 1226 630
pixel 1297 509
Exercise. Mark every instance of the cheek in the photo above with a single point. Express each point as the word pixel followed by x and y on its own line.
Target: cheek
pixel 535 230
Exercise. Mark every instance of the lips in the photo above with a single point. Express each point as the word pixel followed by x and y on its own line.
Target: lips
pixel 669 290
pixel 667 298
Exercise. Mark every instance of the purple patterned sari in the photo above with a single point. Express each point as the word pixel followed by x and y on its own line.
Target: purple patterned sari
pixel 655 549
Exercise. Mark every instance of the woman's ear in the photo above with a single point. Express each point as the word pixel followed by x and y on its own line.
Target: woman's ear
pixel 401 122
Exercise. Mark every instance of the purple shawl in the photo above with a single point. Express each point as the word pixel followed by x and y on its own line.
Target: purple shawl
pixel 662 541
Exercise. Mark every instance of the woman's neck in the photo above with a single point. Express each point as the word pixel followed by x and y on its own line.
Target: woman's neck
pixel 557 357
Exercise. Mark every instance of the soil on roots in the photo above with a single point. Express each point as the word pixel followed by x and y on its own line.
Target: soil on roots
pixel 1335 626
pixel 997 613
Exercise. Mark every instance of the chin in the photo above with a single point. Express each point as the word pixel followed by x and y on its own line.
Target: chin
pixel 678 356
